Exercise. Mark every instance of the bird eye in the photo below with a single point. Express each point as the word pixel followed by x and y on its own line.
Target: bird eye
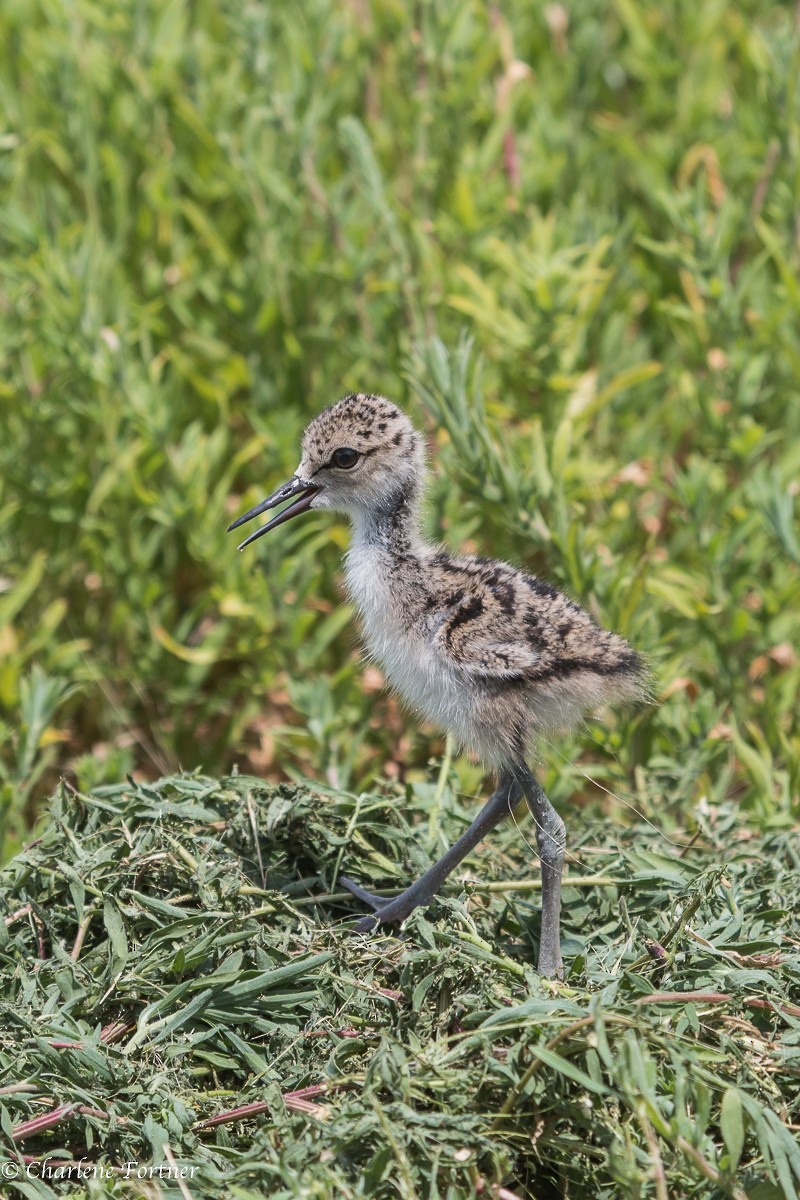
pixel 345 458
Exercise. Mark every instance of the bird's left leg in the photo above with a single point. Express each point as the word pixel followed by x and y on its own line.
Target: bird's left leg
pixel 503 801
pixel 551 840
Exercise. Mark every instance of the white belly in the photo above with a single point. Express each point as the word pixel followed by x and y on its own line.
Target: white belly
pixel 403 647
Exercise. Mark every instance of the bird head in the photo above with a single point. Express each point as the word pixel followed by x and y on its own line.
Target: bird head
pixel 360 456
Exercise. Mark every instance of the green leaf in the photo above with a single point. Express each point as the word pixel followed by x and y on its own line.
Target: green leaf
pixel 112 919
pixel 732 1126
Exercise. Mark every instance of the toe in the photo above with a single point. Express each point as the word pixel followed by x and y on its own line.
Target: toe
pixel 375 902
pixel 387 914
pixel 365 925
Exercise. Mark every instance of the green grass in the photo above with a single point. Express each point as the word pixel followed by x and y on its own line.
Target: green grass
pixel 565 239
pixel 177 952
pixel 218 218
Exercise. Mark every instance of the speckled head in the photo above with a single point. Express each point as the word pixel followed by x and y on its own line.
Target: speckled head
pixel 360 456
pixel 362 453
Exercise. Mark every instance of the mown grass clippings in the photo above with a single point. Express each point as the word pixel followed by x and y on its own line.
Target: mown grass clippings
pixel 163 996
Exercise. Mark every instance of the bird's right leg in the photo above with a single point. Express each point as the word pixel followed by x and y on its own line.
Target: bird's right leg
pixel 396 908
pixel 375 902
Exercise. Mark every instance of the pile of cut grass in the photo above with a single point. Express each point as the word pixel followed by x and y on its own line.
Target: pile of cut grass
pixel 179 987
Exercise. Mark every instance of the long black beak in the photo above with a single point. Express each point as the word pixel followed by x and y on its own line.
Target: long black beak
pixel 292 488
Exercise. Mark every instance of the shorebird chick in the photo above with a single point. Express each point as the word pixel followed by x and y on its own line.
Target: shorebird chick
pixel 492 655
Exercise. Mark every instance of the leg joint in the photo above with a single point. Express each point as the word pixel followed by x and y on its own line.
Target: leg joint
pixel 551 838
pixel 551 834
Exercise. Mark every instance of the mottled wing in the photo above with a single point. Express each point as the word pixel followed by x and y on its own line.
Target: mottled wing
pixel 476 639
pixel 503 624
pixel 496 660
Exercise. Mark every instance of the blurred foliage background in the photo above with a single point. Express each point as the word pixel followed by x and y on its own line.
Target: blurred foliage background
pixel 565 236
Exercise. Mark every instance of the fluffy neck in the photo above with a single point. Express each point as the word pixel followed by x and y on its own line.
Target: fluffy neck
pixel 391 525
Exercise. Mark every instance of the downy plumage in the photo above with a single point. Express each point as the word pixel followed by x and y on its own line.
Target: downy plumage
pixel 481 649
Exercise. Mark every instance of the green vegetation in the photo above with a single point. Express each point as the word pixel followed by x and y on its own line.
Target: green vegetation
pixel 166 966
pixel 565 238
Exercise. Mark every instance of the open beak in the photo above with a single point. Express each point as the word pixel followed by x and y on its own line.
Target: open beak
pixel 294 487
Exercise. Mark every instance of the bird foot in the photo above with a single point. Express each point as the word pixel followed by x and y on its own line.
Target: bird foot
pixel 386 908
pixel 375 902
pixel 550 963
pixel 550 966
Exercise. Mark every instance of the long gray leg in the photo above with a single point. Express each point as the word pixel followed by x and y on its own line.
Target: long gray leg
pixel 499 805
pixel 551 838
